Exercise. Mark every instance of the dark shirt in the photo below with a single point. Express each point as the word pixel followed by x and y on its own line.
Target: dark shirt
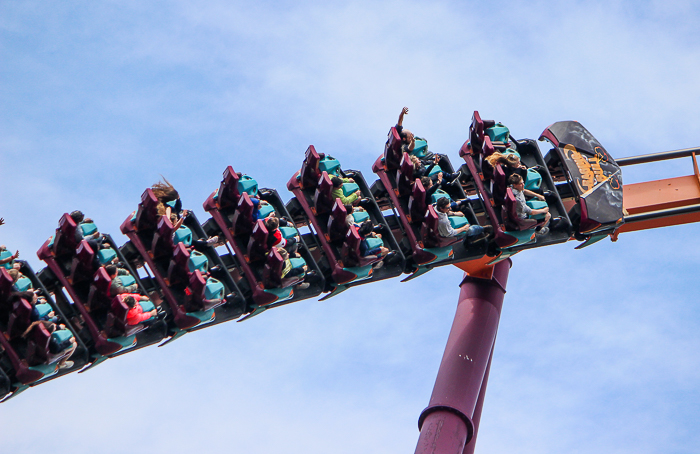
pixel 423 171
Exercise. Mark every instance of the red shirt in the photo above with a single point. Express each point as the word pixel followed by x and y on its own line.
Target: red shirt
pixel 135 314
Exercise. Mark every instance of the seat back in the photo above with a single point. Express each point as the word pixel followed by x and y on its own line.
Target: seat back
pixel 337 227
pixel 162 244
pixel 195 291
pixel 404 176
pixel 499 184
pixel 147 214
pixel 116 324
pixel 65 242
pixel 429 228
pixel 323 197
pixel 228 194
pixel 38 345
pixel 392 150
pixel 20 318
pixel 257 243
pixel 82 267
pixel 178 267
pixel 430 233
pixel 351 250
pixel 98 297
pixel 476 133
pixel 309 169
pixel 487 148
pixel 510 214
pixel 351 247
pixel 272 273
pixel 5 290
pixel 243 221
pixel 417 203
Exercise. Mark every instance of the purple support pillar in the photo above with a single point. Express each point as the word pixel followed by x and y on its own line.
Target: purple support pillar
pixel 448 424
pixel 471 444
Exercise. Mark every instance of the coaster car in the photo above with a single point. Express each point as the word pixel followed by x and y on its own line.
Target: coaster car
pixel 397 189
pixel 314 205
pixel 496 204
pixel 589 177
pixel 240 222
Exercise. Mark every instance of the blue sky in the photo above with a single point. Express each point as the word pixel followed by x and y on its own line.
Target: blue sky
pixel 597 349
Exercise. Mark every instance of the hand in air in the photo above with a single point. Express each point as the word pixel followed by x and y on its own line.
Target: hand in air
pixel 404 110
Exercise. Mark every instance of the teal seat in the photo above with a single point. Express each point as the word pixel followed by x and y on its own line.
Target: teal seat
pixel 147 305
pixel 434 171
pixel 349 188
pixel 127 280
pixel 360 216
pixel 43 309
pixel 198 261
pixel 297 262
pixel 511 151
pixel 420 148
pixel 249 185
pixel 106 256
pixel 330 165
pixel 374 243
pixel 5 254
pixel 265 211
pixel 288 232
pixel 23 284
pixel 214 289
pixel 61 335
pixel 183 235
pixel 458 221
pixel 534 180
pixel 537 205
pixel 498 133
pixel 437 195
pixel 88 228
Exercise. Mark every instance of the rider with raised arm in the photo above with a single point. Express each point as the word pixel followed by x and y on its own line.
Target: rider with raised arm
pixel 407 138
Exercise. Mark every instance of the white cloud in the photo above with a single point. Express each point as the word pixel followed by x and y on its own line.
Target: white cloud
pixel 595 346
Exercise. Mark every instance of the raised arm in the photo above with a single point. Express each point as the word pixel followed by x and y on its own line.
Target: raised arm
pixel 404 111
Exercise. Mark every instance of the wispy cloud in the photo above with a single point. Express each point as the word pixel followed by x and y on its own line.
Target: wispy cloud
pixel 594 351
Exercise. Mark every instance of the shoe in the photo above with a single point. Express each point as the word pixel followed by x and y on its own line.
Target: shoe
pixel 555 222
pixel 212 241
pixel 537 168
pixel 547 194
pixel 310 274
pixel 488 231
pixel 66 365
pixel 379 228
pixel 303 285
pixel 390 256
pixel 542 231
pixel 378 265
pixel 364 201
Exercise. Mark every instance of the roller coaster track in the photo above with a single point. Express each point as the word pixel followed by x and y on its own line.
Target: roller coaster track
pixel 647 205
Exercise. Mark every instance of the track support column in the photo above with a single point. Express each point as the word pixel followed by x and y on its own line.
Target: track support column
pixel 452 417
